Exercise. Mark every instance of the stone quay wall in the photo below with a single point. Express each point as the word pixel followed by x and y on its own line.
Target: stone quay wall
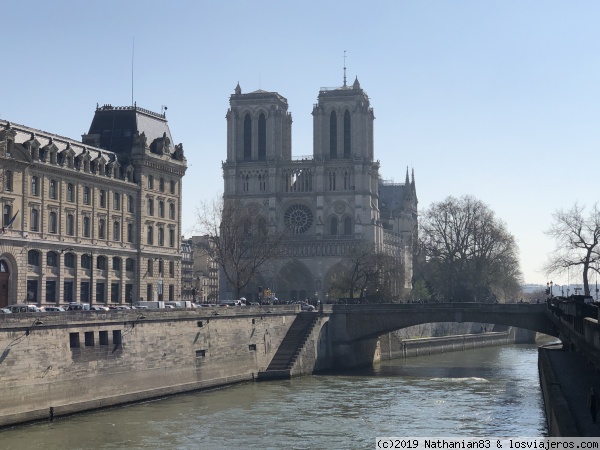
pixel 53 364
pixel 394 347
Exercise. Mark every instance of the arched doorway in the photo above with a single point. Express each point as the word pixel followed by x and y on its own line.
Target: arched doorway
pixel 295 282
pixel 4 276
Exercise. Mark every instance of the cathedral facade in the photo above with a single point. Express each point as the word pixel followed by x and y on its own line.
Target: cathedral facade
pixel 329 202
pixel 97 220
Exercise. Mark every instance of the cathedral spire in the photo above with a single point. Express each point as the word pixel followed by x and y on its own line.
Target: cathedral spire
pixel 344 68
pixel 407 181
pixel 238 89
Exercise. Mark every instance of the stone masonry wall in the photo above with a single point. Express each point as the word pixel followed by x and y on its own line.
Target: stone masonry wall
pixel 59 363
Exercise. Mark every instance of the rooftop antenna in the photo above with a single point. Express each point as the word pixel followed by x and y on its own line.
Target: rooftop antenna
pixel 132 55
pixel 344 68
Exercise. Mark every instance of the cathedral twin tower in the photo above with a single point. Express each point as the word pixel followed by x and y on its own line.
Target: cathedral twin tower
pixel 330 202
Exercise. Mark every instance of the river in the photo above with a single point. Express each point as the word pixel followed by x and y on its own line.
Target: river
pixel 484 392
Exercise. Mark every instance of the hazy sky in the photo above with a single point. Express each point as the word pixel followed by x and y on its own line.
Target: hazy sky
pixel 498 99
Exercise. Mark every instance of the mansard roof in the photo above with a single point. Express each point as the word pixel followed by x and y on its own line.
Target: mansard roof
pixel 25 135
pixel 116 126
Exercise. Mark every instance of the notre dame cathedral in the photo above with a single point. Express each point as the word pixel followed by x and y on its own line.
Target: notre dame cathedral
pixel 329 202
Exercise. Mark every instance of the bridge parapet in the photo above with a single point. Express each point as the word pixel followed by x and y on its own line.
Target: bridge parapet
pixel 359 322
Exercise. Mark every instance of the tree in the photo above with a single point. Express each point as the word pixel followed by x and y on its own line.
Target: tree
pixel 577 239
pixel 467 253
pixel 367 272
pixel 238 242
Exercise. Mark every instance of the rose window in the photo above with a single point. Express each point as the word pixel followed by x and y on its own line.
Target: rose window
pixel 298 219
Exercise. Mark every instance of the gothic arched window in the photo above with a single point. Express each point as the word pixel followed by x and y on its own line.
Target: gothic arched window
pixel 347 226
pixel 333 135
pixel 247 138
pixel 347 134
pixel 262 138
pixel 334 226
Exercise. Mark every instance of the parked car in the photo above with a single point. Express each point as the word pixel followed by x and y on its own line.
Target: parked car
pixel 53 308
pixel 23 308
pixel 5 311
pixel 306 307
pixel 98 308
pixel 78 306
pixel 120 307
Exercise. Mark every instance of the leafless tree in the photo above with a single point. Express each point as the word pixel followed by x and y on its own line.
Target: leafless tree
pixel 468 255
pixel 577 238
pixel 366 271
pixel 238 242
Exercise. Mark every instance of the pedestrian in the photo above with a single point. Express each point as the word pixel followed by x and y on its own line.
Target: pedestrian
pixel 592 403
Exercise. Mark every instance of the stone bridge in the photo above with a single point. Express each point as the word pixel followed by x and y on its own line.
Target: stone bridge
pixel 353 330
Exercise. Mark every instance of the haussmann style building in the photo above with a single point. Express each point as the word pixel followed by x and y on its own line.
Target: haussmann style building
pixel 330 201
pixel 97 220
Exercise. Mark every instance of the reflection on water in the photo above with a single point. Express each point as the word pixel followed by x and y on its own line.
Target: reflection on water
pixel 483 392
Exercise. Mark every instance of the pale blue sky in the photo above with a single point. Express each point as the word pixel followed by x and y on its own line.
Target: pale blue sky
pixel 498 99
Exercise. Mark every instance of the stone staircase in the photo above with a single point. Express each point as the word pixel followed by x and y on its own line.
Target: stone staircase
pixel 287 353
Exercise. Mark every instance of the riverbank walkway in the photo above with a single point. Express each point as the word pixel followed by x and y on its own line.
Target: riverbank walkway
pixel 576 376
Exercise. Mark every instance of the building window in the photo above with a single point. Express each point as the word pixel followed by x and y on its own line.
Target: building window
pixel 86 195
pixel 333 135
pixel 161 237
pixel 6 215
pixel 101 229
pixel 149 292
pixel 247 138
pixel 73 340
pixel 347 226
pixel 52 190
pixel 161 267
pixel 34 186
pixel 171 269
pixel 129 232
pixel 334 226
pixel 150 207
pixel 8 180
pixel 52 222
pixel 35 220
pixel 129 264
pixel 172 211
pixel 51 291
pixel 150 182
pixel 171 238
pixel 101 262
pixel 171 292
pixel 70 192
pixel 347 134
pixel 161 185
pixel 130 204
pixel 150 266
pixel 86 227
pixel 33 258
pixel 116 231
pixel 100 297
pixel 262 137
pixel 172 186
pixel 89 338
pixel 116 263
pixel 51 259
pixel 102 199
pixel 116 337
pixel 103 337
pixel 114 292
pixel 116 201
pixel 86 261
pixel 70 260
pixel 70 225
pixel 149 236
pixel 161 208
